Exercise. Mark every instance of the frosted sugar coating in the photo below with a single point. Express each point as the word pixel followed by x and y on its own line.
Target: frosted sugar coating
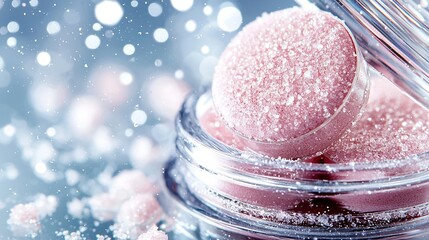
pixel 284 75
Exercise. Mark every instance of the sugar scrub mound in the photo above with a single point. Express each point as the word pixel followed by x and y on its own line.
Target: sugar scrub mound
pixel 288 79
pixel 392 127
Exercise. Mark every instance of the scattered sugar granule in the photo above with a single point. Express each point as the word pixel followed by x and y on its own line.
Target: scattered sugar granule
pixel 126 184
pixel 136 216
pixel 284 74
pixel 392 127
pixel 24 220
pixel 153 234
pixel 77 235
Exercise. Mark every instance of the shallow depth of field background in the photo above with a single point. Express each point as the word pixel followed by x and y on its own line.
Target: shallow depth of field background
pixel 89 88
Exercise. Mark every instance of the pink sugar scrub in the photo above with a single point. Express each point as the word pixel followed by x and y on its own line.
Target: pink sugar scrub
pixel 290 83
pixel 392 127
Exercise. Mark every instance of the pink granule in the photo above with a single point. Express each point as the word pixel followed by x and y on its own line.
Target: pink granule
pixel 153 234
pixel 128 183
pixel 391 127
pixel 284 75
pixel 24 220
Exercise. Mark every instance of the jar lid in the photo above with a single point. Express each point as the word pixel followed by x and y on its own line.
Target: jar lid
pixel 394 38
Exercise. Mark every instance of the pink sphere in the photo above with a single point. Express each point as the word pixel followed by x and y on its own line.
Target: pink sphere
pixel 285 83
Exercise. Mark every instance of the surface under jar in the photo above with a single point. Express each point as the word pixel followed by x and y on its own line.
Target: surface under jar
pixel 215 191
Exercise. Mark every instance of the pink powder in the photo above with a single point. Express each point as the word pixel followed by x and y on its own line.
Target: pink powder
pixel 285 75
pixel 392 127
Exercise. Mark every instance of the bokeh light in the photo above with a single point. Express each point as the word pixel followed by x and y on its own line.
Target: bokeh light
pixel 89 91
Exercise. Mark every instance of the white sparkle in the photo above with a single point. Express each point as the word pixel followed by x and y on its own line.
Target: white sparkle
pixel 190 26
pixel 182 5
pixel 126 78
pixel 34 3
pixel 179 74
pixel 13 27
pixel 51 132
pixel 53 27
pixel 92 42
pixel 138 117
pixel 9 130
pixel 205 49
pixel 160 35
pixel 11 42
pixel 40 168
pixel 154 9
pixel 129 49
pixel 109 12
pixel 229 19
pixel 96 27
pixel 44 58
pixel 208 10
pixel 134 3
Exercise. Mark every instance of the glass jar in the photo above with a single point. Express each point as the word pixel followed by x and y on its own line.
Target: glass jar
pixel 214 191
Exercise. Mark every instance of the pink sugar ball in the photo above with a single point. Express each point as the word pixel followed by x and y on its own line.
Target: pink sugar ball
pixel 284 76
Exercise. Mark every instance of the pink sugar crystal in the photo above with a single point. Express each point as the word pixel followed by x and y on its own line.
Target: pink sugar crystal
pixel 285 75
pixel 24 220
pixel 105 206
pixel 153 234
pixel 392 127
pixel 136 216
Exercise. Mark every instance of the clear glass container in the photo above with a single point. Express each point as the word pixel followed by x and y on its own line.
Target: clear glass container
pixel 214 191
pixel 394 38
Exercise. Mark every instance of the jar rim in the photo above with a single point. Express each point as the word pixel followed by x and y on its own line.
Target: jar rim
pixel 193 140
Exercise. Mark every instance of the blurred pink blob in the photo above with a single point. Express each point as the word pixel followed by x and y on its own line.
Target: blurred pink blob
pixel 105 206
pixel 125 185
pixel 131 182
pixel 143 151
pixel 86 113
pixel 166 95
pixel 48 98
pixel 109 84
pixel 24 220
